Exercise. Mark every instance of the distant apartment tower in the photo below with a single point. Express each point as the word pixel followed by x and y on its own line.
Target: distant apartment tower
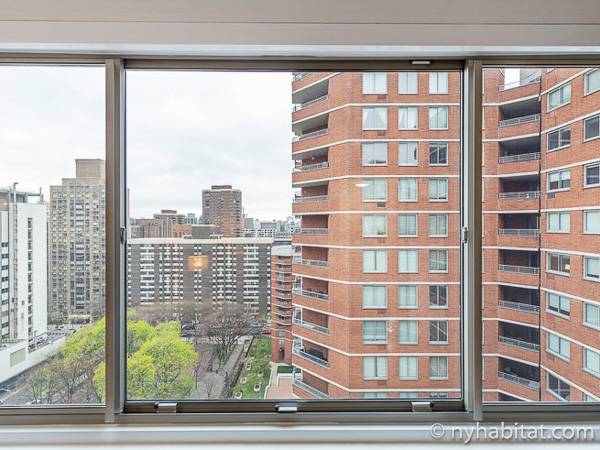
pixel 167 223
pixel 222 206
pixel 76 244
pixel 206 272
pixel 281 303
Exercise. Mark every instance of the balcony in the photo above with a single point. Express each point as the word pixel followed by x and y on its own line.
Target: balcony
pixel 299 351
pixel 519 380
pixel 517 306
pixel 519 269
pixel 518 158
pixel 519 343
pixel 311 262
pixel 311 326
pixel 519 120
pixel 312 231
pixel 314 101
pixel 311 294
pixel 516 84
pixel 529 232
pixel 311 168
pixel 308 388
pixel 312 198
pixel 312 134
pixel 519 195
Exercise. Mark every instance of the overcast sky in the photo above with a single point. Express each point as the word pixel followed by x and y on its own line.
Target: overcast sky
pixel 185 131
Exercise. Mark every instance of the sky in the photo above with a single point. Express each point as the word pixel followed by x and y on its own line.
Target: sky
pixel 185 132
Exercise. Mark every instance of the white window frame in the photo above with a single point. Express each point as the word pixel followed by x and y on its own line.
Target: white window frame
pixel 375 110
pixel 437 329
pixel 562 143
pixel 586 321
pixel 436 262
pixel 379 338
pixel 561 179
pixel 586 90
pixel 410 112
pixel 374 291
pixel 561 91
pixel 437 294
pixel 595 371
pixel 586 215
pixel 437 181
pixel 369 184
pixel 404 288
pixel 416 222
pixel 434 112
pixel 558 346
pixel 408 180
pixel 410 369
pixel 380 364
pixel 373 83
pixel 373 148
pixel 585 171
pixel 437 360
pixel 435 87
pixel 412 329
pixel 564 222
pixel 586 260
pixel 437 146
pixel 377 220
pixel 436 218
pixel 403 255
pixel 564 304
pixel 406 148
pixel 378 260
pixel 586 138
pixel 560 256
pixel 409 78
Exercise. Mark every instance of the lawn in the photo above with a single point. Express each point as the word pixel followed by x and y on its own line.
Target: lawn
pixel 260 350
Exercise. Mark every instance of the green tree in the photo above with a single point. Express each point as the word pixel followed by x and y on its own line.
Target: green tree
pixel 138 332
pixel 140 377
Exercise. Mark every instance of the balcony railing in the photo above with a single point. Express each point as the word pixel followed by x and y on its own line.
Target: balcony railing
pixel 520 194
pixel 282 294
pixel 531 384
pixel 299 75
pixel 308 388
pixel 311 262
pixel 310 168
pixel 519 158
pixel 526 307
pixel 313 231
pixel 312 198
pixel 516 84
pixel 312 134
pixel 285 321
pixel 314 101
pixel 321 362
pixel 519 232
pixel 519 344
pixel 311 326
pixel 519 120
pixel 311 294
pixel 519 269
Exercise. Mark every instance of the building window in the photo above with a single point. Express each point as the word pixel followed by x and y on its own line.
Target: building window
pixel 374 225
pixel 374 297
pixel 559 304
pixel 374 332
pixel 438 225
pixel 407 153
pixel 374 118
pixel 375 395
pixel 559 96
pixel 558 346
pixel 374 82
pixel 438 82
pixel 558 138
pixel 438 189
pixel 438 332
pixel 559 388
pixel 375 368
pixel 592 175
pixel 374 261
pixel 407 82
pixel 591 268
pixel 438 154
pixel 407 261
pixel 591 222
pixel 407 225
pixel 438 367
pixel 591 361
pixel 591 315
pixel 438 296
pixel 408 118
pixel 591 128
pixel 408 332
pixel 559 263
pixel 438 117
pixel 438 260
pixel 408 369
pixel 559 222
pixel 374 189
pixel 407 296
pixel 407 189
pixel 374 154
pixel 592 81
pixel 559 180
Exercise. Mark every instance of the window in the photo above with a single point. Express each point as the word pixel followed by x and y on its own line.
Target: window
pixel 374 118
pixel 374 82
pixel 374 297
pixel 559 138
pixel 559 96
pixel 438 117
pixel 374 225
pixel 558 346
pixel 374 332
pixel 591 222
pixel 438 367
pixel 559 388
pixel 438 296
pixel 559 180
pixel 408 118
pixel 407 261
pixel 559 263
pixel 408 332
pixel 591 361
pixel 408 369
pixel 438 189
pixel 591 268
pixel 438 225
pixel 591 315
pixel 375 368
pixel 375 395
pixel 407 225
pixel 591 127
pixel 374 189
pixel 407 82
pixel 374 261
pixel 559 222
pixel 438 82
pixel 374 154
pixel 407 153
pixel 592 81
pixel 407 189
pixel 407 296
pixel 592 175
pixel 438 260
pixel 438 332
pixel 438 154
pixel 559 304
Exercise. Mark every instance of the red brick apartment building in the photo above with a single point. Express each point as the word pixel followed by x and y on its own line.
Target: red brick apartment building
pixel 376 292
pixel 281 303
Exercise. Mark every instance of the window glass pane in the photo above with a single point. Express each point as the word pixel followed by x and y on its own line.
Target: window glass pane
pixel 407 153
pixel 374 118
pixel 592 81
pixel 407 117
pixel 407 82
pixel 591 127
pixel 407 189
pixel 52 235
pixel 407 225
pixel 407 331
pixel 374 82
pixel 374 154
pixel 438 154
pixel 407 296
